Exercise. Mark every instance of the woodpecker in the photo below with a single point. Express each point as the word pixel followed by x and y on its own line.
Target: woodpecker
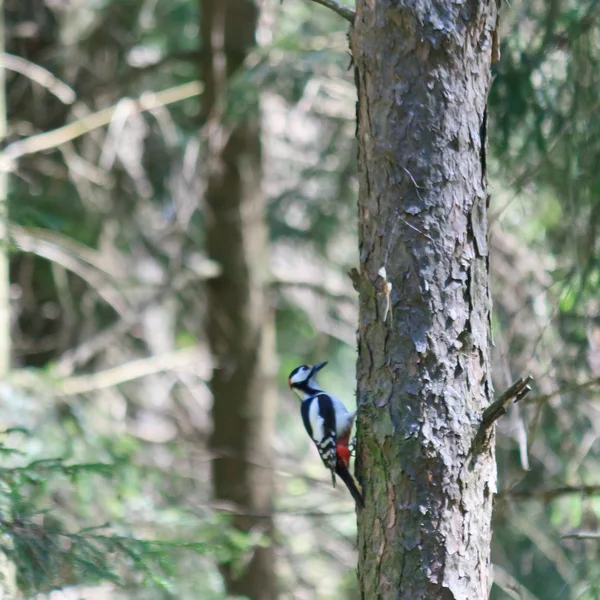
pixel 328 423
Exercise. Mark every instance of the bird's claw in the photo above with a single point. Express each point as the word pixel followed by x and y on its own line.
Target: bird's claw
pixel 352 447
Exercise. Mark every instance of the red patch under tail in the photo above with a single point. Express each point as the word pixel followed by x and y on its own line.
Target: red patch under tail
pixel 343 452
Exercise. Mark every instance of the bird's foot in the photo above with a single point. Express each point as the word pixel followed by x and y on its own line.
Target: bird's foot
pixel 352 447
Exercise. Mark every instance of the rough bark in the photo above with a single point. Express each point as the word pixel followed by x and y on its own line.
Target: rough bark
pixel 423 71
pixel 239 320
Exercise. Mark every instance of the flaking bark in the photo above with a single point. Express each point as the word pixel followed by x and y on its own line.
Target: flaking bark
pixel 423 71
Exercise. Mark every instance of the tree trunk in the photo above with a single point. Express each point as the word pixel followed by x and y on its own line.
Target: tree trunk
pixel 4 264
pixel 239 321
pixel 423 71
pixel 8 585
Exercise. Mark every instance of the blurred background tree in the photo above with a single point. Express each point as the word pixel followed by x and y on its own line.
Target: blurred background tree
pixel 114 279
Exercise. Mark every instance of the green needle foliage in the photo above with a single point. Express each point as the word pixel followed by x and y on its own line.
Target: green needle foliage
pixel 48 556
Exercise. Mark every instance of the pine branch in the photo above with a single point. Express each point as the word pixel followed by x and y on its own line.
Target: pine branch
pixel 48 557
pixel 39 470
pixel 337 7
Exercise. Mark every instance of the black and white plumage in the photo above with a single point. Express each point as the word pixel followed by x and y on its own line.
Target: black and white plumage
pixel 318 416
pixel 328 422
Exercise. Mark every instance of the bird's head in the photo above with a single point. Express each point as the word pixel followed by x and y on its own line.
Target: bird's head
pixel 303 380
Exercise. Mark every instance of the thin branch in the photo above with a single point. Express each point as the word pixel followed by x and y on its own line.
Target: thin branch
pixel 544 542
pixel 52 139
pixel 39 75
pixel 337 7
pixel 76 262
pixel 81 354
pixel 496 409
pixel 581 535
pixel 509 585
pixel 230 508
pixel 317 288
pixel 550 494
pixel 568 389
pixel 34 236
pixel 129 371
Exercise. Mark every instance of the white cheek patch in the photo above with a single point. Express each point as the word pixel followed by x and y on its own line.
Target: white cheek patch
pixel 301 375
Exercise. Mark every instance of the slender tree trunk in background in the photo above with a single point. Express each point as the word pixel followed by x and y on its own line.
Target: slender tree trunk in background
pixel 239 322
pixel 423 71
pixel 4 270
pixel 8 586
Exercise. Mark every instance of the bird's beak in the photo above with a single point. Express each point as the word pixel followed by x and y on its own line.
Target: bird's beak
pixel 317 368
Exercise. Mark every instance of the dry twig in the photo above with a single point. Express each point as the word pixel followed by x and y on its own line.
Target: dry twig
pixel 57 137
pixel 39 75
pixel 135 369
pixel 498 407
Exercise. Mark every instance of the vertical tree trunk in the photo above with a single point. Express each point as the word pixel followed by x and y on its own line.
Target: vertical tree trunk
pixel 423 71
pixel 8 585
pixel 4 270
pixel 240 326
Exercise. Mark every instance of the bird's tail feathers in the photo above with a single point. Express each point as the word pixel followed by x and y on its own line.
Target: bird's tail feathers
pixel 347 478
